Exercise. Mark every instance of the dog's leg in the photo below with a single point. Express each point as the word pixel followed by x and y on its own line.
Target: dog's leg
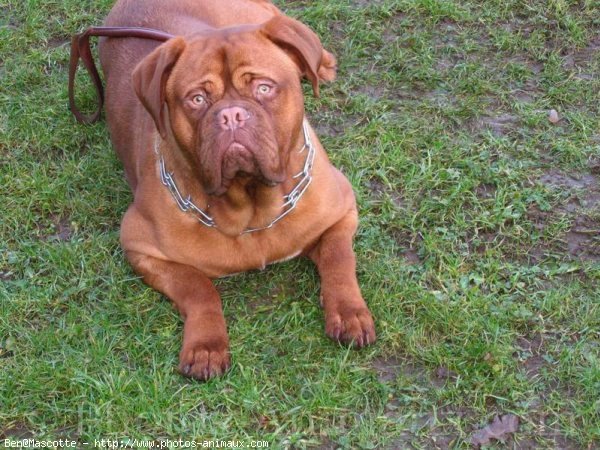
pixel 205 350
pixel 347 318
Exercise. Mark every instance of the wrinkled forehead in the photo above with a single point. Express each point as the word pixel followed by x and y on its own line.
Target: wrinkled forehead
pixel 228 55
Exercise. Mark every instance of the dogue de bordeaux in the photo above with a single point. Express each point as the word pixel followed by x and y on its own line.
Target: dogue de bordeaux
pixel 226 172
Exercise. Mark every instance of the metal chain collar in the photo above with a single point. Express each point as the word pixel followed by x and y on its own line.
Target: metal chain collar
pixel 289 201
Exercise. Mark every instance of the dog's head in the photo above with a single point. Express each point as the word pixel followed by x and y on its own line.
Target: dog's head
pixel 232 98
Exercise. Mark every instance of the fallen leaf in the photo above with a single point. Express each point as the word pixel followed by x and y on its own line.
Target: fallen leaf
pixel 499 429
pixel 264 421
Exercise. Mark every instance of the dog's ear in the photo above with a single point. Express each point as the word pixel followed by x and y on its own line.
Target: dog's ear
pixel 150 78
pixel 316 63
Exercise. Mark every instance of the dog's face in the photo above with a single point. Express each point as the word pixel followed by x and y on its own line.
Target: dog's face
pixel 233 97
pixel 235 101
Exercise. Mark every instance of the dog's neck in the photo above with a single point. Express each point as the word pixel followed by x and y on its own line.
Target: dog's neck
pixel 248 205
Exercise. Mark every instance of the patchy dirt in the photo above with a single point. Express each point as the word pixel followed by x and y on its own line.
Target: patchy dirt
pixel 594 165
pixel 443 373
pixel 541 432
pixel 6 352
pixel 580 60
pixel 582 240
pixel 412 257
pixel 323 128
pixel 433 430
pixel 277 293
pixel 374 92
pixel 500 429
pixel 60 229
pixel 8 19
pixel 387 369
pixel 327 444
pixel 365 3
pixel 439 429
pixel 558 179
pixel 534 362
pixel 529 90
pixel 407 242
pixel 500 125
pixel 6 274
pixel 440 97
pixel 532 344
pixel 436 441
pixel 16 430
pixel 63 231
pixel 409 245
pixel 483 239
pixel 485 191
pixel 326 125
pixel 56 42
pixel 378 189
pixel 530 355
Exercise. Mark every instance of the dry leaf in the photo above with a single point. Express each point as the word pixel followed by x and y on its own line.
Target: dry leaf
pixel 499 429
pixel 264 421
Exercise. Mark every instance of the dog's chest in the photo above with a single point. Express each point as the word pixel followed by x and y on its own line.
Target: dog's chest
pixel 222 256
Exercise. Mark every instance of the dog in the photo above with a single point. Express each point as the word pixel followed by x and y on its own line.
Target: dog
pixel 226 172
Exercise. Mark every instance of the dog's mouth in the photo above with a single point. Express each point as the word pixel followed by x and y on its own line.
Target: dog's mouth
pixel 243 153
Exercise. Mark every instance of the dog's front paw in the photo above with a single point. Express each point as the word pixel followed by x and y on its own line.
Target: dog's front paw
pixel 203 359
pixel 350 325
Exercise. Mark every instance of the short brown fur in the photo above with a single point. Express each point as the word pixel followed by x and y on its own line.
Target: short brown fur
pixel 232 145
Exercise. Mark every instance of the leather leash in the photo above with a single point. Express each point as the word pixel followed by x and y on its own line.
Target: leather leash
pixel 80 49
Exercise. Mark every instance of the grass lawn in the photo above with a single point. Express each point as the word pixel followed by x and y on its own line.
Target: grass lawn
pixel 478 248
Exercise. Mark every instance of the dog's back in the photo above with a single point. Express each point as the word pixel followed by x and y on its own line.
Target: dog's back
pixel 178 17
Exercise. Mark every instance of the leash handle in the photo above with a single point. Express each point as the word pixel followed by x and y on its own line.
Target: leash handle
pixel 80 49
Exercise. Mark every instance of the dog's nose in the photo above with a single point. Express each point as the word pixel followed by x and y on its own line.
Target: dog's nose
pixel 233 117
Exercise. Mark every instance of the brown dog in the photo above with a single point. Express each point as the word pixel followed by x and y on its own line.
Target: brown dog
pixel 227 174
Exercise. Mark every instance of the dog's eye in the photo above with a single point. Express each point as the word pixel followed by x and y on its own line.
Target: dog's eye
pixel 198 100
pixel 264 89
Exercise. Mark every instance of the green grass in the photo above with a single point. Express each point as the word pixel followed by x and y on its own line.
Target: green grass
pixel 478 248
